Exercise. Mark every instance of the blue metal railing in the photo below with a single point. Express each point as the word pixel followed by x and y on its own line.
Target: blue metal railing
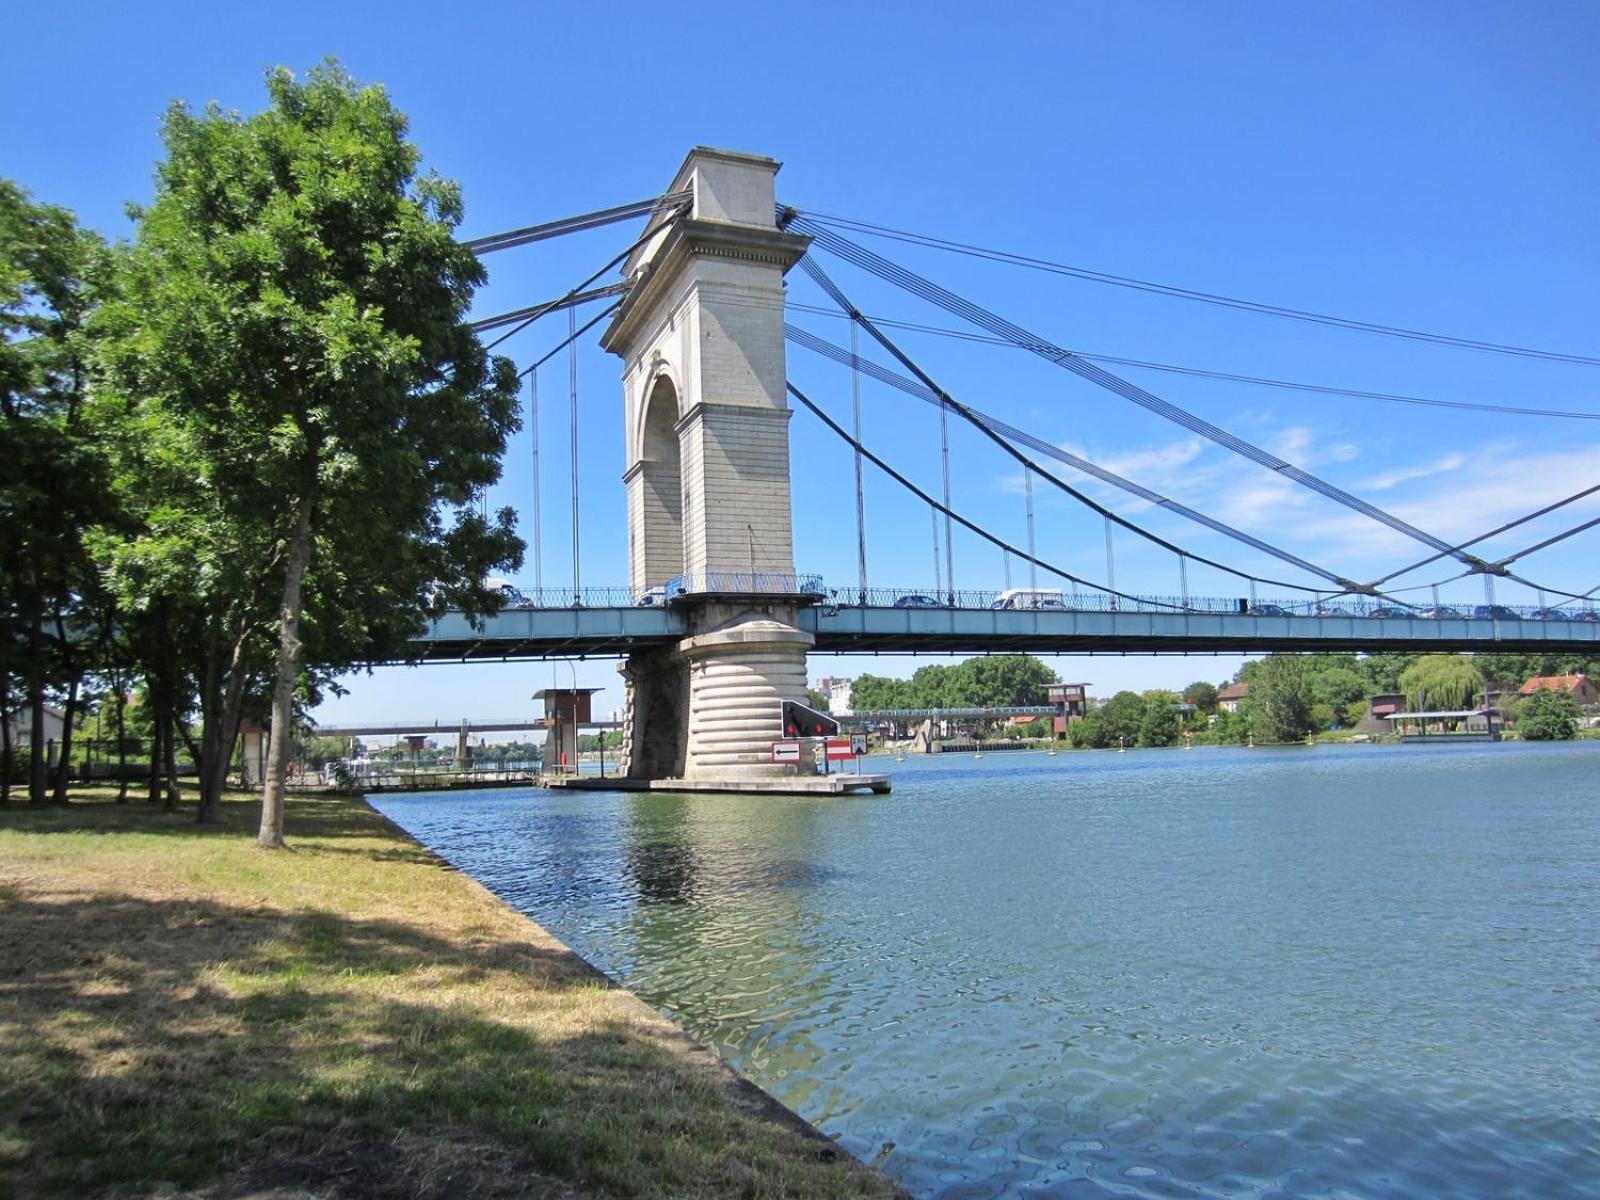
pixel 1042 600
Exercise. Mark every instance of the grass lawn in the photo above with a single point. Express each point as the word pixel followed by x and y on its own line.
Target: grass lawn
pixel 184 1014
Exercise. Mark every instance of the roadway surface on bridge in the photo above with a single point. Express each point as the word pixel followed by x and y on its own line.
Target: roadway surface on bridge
pixel 614 631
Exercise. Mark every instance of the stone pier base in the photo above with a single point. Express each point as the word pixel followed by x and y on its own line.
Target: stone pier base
pixel 710 708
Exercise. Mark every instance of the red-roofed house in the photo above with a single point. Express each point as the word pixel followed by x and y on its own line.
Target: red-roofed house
pixel 1577 686
pixel 1228 698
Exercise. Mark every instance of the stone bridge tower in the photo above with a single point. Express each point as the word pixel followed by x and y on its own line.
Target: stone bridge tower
pixel 701 339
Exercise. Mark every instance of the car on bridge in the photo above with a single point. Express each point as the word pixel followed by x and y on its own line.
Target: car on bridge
pixel 1268 610
pixel 1441 612
pixel 653 597
pixel 1562 614
pixel 1388 611
pixel 916 600
pixel 1496 612
pixel 510 595
pixel 1030 599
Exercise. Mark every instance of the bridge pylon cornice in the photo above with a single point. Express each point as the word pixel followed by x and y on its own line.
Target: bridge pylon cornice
pixel 687 240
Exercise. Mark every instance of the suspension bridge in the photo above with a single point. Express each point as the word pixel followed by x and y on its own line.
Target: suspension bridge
pixel 715 623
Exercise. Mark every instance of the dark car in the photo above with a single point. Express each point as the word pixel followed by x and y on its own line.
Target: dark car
pixel 1584 614
pixel 1387 611
pixel 915 600
pixel 1440 613
pixel 1268 610
pixel 1555 614
pixel 1496 612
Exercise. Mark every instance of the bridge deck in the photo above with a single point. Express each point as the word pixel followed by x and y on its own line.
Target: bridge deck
pixel 612 632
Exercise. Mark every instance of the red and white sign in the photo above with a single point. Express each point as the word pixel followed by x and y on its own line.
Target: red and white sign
pixel 840 749
pixel 785 752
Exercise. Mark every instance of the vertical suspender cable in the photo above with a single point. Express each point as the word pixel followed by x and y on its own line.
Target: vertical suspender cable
pixel 1183 579
pixel 1005 565
pixel 861 504
pixel 1027 491
pixel 1111 563
pixel 934 513
pixel 538 519
pixel 949 550
pixel 572 371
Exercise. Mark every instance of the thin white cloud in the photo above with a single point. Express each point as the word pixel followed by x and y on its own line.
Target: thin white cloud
pixel 1392 479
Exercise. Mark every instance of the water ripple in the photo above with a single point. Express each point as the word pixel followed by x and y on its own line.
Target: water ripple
pixel 1334 972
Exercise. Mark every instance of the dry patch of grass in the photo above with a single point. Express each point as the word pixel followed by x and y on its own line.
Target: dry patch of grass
pixel 183 1014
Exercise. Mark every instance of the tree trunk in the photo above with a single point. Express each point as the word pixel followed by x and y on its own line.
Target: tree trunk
pixel 5 739
pixel 169 761
pixel 36 743
pixel 64 767
pixel 153 795
pixel 122 736
pixel 271 834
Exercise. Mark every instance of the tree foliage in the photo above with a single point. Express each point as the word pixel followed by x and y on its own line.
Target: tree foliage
pixel 1441 682
pixel 1548 717
pixel 996 681
pixel 52 486
pixel 1281 698
pixel 311 415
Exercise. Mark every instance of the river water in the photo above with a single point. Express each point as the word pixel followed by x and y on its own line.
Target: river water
pixel 1353 971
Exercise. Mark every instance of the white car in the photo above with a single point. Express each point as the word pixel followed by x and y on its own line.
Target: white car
pixel 1030 598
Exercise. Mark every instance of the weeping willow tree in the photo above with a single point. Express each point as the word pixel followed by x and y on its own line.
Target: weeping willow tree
pixel 1438 682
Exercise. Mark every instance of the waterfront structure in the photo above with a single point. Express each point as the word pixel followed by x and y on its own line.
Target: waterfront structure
pixel 1071 701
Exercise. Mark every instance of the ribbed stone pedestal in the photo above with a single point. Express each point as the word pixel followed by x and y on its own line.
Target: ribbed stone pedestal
pixel 740 673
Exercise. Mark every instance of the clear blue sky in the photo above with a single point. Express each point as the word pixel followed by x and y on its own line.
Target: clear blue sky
pixel 1431 165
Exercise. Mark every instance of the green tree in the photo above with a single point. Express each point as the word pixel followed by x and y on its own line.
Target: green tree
pixel 1120 718
pixel 52 486
pixel 1008 680
pixel 876 693
pixel 1548 716
pixel 1202 695
pixel 1281 698
pixel 1159 724
pixel 1441 681
pixel 291 329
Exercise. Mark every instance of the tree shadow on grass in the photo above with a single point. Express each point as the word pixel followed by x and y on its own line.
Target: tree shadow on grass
pixel 310 818
pixel 222 1050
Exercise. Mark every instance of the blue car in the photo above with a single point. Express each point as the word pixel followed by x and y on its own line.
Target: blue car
pixel 1268 610
pixel 916 600
pixel 1496 612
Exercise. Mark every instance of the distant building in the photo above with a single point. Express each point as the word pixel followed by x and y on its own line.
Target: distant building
pixel 838 692
pixel 1228 698
pixel 1071 701
pixel 21 723
pixel 1578 687
pixel 1385 705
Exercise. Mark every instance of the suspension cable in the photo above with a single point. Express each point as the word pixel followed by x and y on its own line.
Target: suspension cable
pixel 1292 385
pixel 649 233
pixel 538 518
pixel 1183 293
pixel 932 396
pixel 957 517
pixel 590 220
pixel 1523 520
pixel 861 503
pixel 933 293
pixel 567 341
pixel 570 300
pixel 572 371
